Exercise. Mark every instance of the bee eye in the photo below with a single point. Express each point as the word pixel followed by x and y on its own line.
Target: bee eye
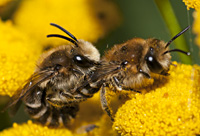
pixel 150 59
pixel 152 63
pixel 78 58
pixel 82 61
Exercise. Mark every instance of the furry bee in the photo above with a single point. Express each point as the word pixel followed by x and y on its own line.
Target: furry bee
pixel 129 65
pixel 49 94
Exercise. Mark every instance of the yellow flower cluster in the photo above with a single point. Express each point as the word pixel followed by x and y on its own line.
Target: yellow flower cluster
pixel 85 19
pixel 172 108
pixel 22 42
pixel 18 55
pixel 192 4
pixel 32 129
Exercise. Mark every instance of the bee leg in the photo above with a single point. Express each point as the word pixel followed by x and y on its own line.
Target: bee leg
pixel 130 89
pixel 75 97
pixel 104 102
pixel 87 93
pixel 117 83
pixel 58 97
pixel 67 95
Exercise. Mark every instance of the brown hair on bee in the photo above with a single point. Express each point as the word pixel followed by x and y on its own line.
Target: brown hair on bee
pixel 129 65
pixel 49 94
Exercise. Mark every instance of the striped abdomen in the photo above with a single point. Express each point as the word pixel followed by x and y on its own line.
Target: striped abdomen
pixel 39 109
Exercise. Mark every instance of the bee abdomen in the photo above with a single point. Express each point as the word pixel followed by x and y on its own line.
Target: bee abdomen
pixel 36 112
pixel 60 116
pixel 45 113
pixel 52 116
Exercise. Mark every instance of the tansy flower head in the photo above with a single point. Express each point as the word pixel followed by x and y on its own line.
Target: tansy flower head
pixel 32 129
pixel 18 55
pixel 172 108
pixel 192 4
pixel 86 19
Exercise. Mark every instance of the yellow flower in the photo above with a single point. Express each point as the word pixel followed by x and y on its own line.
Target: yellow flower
pixel 192 4
pixel 18 55
pixel 196 26
pixel 32 129
pixel 85 19
pixel 172 108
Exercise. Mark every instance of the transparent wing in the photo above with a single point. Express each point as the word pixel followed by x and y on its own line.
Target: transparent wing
pixel 99 74
pixel 36 79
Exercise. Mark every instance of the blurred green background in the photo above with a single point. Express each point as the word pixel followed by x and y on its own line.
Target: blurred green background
pixel 141 18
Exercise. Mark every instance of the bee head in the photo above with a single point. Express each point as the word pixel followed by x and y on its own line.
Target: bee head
pixel 80 55
pixel 158 56
pixel 155 60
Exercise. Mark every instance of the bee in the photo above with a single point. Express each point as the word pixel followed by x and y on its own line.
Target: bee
pixel 49 94
pixel 129 65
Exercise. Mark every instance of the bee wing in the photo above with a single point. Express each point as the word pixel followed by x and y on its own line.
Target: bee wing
pixel 30 84
pixel 100 73
pixel 103 71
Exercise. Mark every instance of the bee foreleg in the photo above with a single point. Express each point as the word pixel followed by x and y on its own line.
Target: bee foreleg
pixel 130 89
pixel 59 98
pixel 117 83
pixel 104 102
pixel 67 95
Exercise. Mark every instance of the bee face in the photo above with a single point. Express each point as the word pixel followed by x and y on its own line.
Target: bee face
pixel 156 61
pixel 68 58
pixel 49 93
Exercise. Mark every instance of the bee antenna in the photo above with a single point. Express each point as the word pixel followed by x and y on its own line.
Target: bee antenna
pixel 183 31
pixel 64 37
pixel 178 50
pixel 64 30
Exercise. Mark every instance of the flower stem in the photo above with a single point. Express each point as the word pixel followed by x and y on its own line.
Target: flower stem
pixel 4 117
pixel 169 17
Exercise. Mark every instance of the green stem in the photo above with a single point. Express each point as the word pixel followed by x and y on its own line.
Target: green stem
pixel 4 117
pixel 174 28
